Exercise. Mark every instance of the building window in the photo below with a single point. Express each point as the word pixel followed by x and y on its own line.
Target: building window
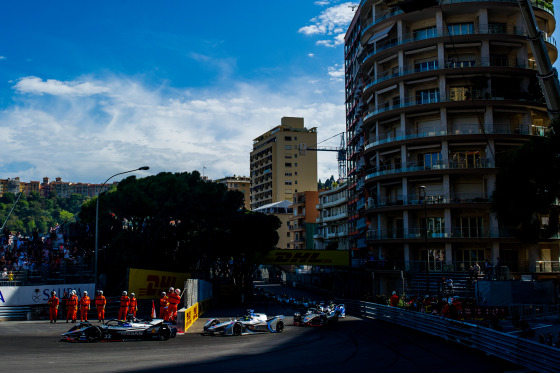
pixel 466 159
pixel 287 174
pixel 295 164
pixel 432 159
pixel 427 96
pixel 288 156
pixel 288 138
pixel 469 227
pixel 288 183
pixel 288 147
pixel 288 164
pixel 425 66
pixel 436 227
pixel 465 28
pixel 425 33
pixel 460 93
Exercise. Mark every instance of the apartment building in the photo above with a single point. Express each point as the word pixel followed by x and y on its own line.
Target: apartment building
pixel 304 219
pixel 434 99
pixel 242 184
pixel 332 224
pixel 281 164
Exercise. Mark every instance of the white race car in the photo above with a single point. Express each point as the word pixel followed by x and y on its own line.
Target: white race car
pixel 250 323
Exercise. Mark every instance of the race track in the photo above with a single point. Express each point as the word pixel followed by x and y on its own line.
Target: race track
pixel 354 345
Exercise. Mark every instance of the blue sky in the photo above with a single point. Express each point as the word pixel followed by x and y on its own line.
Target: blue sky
pixel 92 88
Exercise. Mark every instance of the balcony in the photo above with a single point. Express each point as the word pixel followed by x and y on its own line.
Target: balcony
pixel 415 166
pixel 455 233
pixel 391 12
pixel 465 129
pixel 415 200
pixel 334 218
pixel 479 62
pixel 440 32
pixel 435 98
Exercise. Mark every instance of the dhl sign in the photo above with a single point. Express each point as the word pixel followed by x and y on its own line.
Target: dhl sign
pixel 310 257
pixel 149 284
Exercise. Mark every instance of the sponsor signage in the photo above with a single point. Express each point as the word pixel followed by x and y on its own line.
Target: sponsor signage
pixel 149 284
pixel 39 295
pixel 304 257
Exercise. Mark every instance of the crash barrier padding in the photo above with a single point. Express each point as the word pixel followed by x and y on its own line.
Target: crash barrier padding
pixel 530 354
pixel 187 316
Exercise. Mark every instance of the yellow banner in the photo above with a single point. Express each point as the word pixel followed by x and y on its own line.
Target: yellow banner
pixel 149 284
pixel 311 257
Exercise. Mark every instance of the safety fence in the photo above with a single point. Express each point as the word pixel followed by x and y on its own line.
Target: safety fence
pixel 532 355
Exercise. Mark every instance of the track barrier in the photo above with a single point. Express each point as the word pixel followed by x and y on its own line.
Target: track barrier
pixel 530 354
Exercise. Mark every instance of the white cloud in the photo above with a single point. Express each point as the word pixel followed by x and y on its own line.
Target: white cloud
pixel 3 57
pixel 333 22
pixel 90 128
pixel 36 85
pixel 310 55
pixel 336 73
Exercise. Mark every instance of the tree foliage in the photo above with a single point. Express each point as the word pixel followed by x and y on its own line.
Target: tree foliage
pixel 36 211
pixel 178 222
pixel 528 188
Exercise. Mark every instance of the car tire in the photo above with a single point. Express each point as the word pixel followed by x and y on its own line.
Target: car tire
pixel 237 329
pixel 93 334
pixel 279 326
pixel 164 333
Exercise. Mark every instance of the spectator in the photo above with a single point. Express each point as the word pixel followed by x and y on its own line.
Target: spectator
pixel 5 274
pixel 476 269
pixel 394 300
pixel 449 283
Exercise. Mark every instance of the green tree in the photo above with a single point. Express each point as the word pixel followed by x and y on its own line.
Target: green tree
pixel 174 222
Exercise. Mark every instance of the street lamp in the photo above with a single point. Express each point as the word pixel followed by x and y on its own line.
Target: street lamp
pixel 97 215
pixel 423 188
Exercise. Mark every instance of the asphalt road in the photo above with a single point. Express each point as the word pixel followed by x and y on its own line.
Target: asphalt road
pixel 354 345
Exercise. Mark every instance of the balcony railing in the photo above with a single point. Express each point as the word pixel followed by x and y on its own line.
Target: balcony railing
pixel 465 129
pixel 434 98
pixel 541 4
pixel 415 199
pixel 442 32
pixel 412 166
pixel 450 64
pixel 456 232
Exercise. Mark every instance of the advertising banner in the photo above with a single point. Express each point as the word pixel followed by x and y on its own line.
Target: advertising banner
pixel 307 257
pixel 149 284
pixel 39 295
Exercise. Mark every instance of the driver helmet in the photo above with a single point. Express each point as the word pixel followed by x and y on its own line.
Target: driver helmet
pixel 163 294
pixel 73 292
pixel 171 289
pixel 100 292
pixel 178 291
pixel 85 292
pixel 53 293
pixel 132 294
pixel 124 293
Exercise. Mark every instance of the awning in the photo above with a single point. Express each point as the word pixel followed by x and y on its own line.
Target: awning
pixel 381 34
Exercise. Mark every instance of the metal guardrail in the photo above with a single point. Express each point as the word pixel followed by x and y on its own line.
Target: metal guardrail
pixel 14 312
pixel 532 355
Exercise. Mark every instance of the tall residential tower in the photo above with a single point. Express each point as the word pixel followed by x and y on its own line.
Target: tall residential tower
pixel 434 99
pixel 281 163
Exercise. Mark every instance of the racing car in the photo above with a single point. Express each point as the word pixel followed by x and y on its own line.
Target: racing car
pixel 250 323
pixel 116 330
pixel 321 315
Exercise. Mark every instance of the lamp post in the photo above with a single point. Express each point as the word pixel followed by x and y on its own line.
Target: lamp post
pixel 97 215
pixel 423 189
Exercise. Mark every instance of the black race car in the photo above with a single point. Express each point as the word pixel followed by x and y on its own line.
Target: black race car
pixel 321 315
pixel 116 330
